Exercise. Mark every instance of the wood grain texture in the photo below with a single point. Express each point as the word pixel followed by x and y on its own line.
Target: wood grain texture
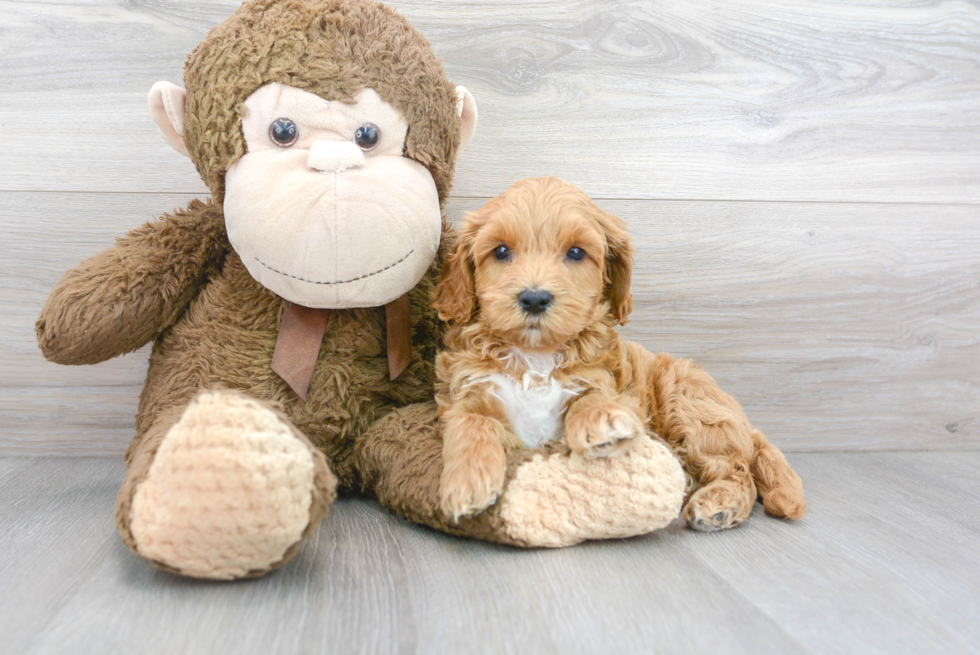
pixel 885 562
pixel 762 99
pixel 838 326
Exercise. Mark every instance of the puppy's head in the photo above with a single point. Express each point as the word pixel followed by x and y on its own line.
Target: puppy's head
pixel 539 264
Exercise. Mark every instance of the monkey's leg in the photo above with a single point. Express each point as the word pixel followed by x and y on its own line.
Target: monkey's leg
pixel 223 488
pixel 552 497
pixel 728 461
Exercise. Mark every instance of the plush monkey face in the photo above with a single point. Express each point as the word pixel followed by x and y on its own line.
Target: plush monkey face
pixel 328 131
pixel 323 209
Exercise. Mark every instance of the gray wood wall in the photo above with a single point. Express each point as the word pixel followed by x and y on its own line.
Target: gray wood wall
pixel 802 179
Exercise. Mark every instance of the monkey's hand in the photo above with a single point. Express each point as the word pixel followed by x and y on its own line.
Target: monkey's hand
pixel 122 298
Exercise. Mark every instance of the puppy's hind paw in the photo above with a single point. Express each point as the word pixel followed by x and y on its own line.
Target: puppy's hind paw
pixel 721 505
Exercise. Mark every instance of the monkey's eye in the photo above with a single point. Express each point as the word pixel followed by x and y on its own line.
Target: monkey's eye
pixel 366 136
pixel 501 253
pixel 575 253
pixel 283 132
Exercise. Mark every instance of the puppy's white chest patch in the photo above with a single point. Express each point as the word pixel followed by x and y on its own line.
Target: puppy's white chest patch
pixel 535 402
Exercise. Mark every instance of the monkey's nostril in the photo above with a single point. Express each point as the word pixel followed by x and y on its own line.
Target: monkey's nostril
pixel 334 156
pixel 534 301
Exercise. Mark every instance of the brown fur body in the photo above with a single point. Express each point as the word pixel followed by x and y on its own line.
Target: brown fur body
pixel 178 282
pixel 620 390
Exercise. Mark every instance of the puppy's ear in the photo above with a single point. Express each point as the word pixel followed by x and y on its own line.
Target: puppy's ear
pixel 455 295
pixel 619 266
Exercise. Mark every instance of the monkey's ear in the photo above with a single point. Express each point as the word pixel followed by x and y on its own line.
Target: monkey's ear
pixel 466 110
pixel 168 107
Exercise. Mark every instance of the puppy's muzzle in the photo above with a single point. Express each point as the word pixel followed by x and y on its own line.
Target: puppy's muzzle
pixel 534 301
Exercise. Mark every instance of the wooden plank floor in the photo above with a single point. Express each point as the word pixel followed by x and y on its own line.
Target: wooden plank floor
pixel 885 562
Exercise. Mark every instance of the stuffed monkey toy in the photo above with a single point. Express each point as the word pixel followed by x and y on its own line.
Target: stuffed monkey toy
pixel 293 339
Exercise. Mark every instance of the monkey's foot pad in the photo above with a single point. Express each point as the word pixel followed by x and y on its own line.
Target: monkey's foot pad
pixel 229 491
pixel 563 499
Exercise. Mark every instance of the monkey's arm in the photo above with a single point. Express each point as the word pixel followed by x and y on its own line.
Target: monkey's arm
pixel 122 298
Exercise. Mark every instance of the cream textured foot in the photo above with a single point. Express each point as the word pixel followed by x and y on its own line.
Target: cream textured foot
pixel 561 500
pixel 229 491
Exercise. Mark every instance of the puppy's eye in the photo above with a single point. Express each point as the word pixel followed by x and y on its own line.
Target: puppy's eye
pixel 366 136
pixel 501 253
pixel 283 132
pixel 575 253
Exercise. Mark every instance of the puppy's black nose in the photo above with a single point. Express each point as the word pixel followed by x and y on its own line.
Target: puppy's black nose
pixel 534 301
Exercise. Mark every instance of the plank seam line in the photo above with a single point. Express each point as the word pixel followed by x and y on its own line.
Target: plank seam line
pixel 772 620
pixel 193 194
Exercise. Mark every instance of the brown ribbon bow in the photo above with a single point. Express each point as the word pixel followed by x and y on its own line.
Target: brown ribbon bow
pixel 301 333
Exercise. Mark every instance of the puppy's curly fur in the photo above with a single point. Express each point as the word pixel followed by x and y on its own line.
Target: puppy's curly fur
pixel 534 289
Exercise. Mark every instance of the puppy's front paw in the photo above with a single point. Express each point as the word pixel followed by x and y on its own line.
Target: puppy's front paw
pixel 603 430
pixel 473 483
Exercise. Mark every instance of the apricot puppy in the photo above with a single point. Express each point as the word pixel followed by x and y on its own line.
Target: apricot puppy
pixel 538 281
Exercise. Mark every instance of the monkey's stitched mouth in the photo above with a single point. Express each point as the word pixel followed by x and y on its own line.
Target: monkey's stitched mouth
pixel 353 279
